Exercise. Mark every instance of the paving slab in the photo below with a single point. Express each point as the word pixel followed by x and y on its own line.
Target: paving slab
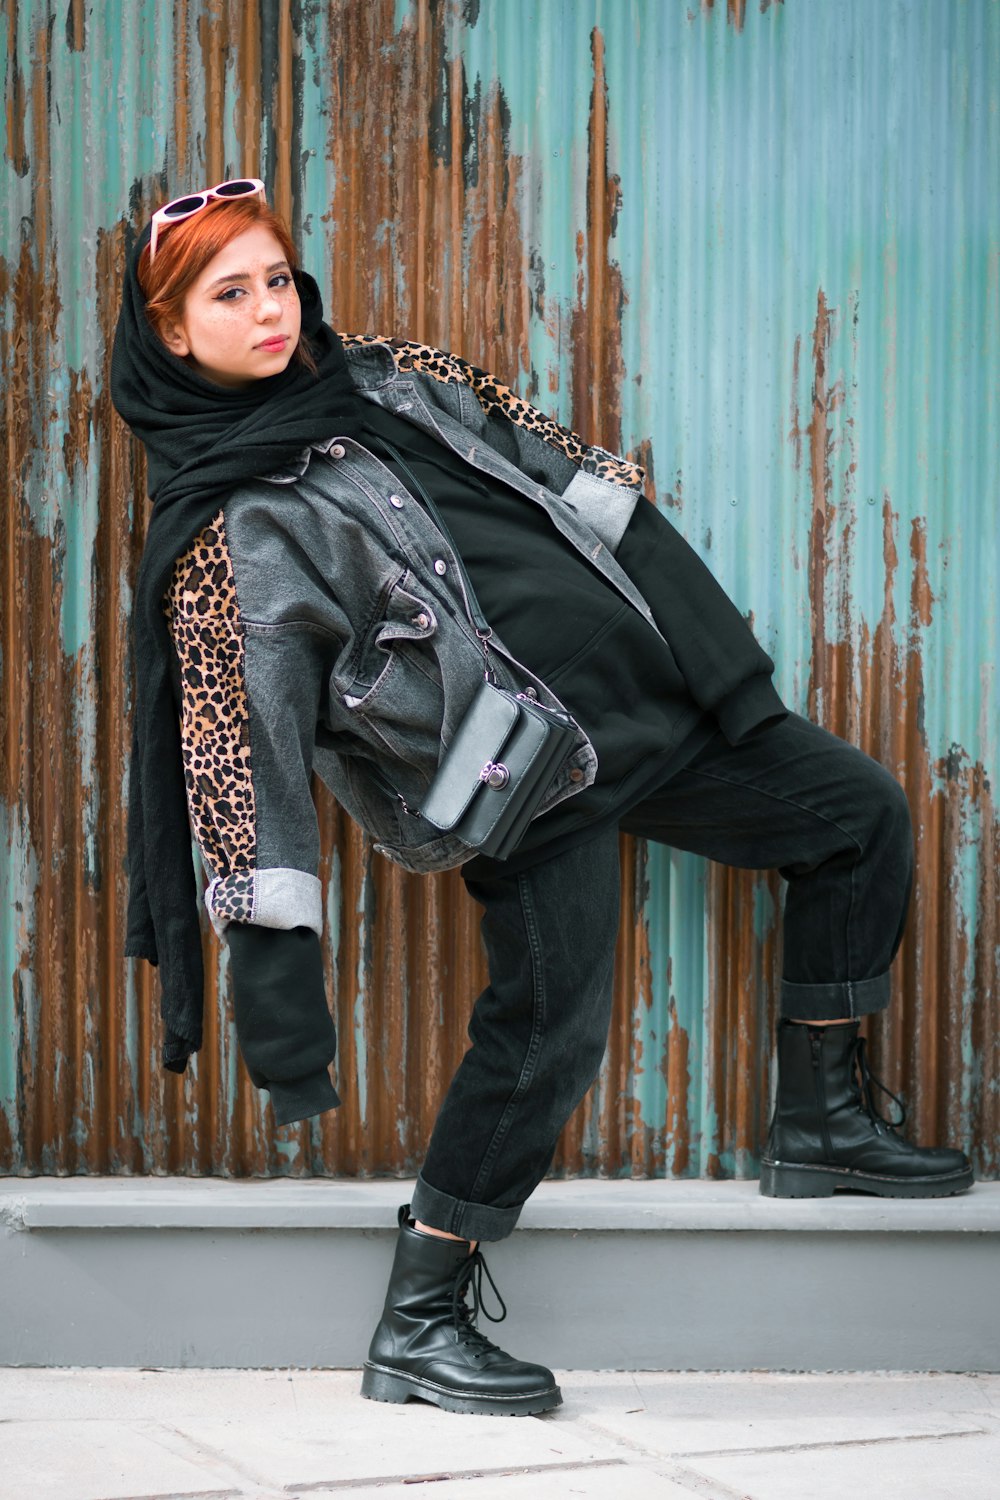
pixel 106 1434
pixel 194 1432
pixel 953 1468
pixel 75 1394
pixel 362 1441
pixel 684 1414
pixel 93 1460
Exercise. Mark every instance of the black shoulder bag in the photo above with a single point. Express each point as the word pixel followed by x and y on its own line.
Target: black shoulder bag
pixel 505 751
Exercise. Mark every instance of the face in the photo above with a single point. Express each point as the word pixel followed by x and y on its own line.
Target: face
pixel 242 316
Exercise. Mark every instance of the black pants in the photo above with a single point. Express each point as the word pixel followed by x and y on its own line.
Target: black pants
pixel 794 797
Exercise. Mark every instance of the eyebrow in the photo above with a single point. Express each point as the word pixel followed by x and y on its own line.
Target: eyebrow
pixel 245 275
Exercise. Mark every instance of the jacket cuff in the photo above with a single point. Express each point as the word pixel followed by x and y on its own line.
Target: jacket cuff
pixel 298 1098
pixel 748 707
pixel 606 508
pixel 176 1051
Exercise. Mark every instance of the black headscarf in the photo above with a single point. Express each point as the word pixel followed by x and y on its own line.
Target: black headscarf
pixel 201 441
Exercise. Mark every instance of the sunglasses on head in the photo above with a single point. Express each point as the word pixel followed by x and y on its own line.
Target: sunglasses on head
pixel 183 208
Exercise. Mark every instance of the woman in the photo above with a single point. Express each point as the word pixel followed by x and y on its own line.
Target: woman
pixel 300 609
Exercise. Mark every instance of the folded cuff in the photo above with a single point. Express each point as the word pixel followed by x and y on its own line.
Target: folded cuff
pixel 471 1221
pixel 298 1098
pixel 837 1001
pixel 749 706
pixel 606 507
pixel 279 898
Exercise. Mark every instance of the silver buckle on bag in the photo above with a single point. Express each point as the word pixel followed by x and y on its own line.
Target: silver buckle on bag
pixel 495 774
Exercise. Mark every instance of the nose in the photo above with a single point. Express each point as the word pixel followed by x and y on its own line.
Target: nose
pixel 268 305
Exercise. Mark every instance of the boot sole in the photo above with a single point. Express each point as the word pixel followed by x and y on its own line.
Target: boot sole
pixel 381 1384
pixel 783 1180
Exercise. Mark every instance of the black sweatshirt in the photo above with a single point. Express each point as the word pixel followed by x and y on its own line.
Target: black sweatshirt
pixel 558 615
pixel 643 701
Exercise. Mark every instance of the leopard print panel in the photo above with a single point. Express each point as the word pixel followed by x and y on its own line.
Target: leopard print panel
pixel 233 898
pixel 411 355
pixel 203 617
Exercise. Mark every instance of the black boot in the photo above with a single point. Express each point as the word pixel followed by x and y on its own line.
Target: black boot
pixel 826 1133
pixel 427 1343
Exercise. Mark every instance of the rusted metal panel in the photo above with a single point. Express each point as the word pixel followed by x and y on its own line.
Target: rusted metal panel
pixel 755 247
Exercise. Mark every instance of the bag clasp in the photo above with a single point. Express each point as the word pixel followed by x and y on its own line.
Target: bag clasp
pixel 495 774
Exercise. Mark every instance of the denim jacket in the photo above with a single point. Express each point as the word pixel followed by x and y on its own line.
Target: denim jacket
pixel 320 623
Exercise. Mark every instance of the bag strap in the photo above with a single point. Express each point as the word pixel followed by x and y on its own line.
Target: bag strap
pixel 483 629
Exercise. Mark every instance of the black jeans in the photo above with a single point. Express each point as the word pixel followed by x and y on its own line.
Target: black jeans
pixel 794 797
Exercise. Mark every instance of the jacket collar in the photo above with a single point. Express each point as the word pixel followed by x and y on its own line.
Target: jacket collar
pixel 371 367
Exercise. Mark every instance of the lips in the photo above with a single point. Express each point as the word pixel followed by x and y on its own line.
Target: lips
pixel 273 345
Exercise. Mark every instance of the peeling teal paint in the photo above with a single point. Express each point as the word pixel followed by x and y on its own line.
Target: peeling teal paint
pixel 19 876
pixel 546 90
pixel 318 177
pixel 768 171
pixel 678 981
pixel 843 154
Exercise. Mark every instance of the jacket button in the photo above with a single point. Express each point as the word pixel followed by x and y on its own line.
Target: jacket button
pixel 440 566
pixel 422 620
pixel 396 501
pixel 576 774
pixel 338 450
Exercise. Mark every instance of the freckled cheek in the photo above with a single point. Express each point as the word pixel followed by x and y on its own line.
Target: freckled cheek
pixel 221 330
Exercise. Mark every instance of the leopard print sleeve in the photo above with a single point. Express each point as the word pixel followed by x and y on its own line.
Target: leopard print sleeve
pixel 204 622
pixel 227 792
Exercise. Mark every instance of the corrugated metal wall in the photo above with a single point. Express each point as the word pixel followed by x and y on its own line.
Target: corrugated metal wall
pixel 755 246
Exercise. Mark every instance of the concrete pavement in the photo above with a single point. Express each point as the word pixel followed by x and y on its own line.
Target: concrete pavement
pixel 118 1434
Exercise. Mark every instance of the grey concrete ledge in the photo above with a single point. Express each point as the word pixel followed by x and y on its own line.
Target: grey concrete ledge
pixel 683 1205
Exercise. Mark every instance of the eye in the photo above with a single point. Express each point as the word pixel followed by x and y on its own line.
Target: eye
pixel 283 278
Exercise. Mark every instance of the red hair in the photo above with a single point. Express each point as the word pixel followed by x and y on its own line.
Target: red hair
pixel 184 249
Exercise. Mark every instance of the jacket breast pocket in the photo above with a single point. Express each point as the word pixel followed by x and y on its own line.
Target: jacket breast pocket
pixel 397 689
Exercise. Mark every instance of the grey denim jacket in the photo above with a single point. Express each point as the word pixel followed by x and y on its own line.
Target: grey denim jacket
pixel 320 623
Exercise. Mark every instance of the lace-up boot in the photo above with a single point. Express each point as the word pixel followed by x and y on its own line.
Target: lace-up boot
pixel 428 1345
pixel 826 1132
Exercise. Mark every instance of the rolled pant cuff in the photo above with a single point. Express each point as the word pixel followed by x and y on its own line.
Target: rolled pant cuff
pixel 471 1221
pixel 841 1000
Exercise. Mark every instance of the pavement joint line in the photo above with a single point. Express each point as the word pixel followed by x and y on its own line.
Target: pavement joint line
pixel 869 1442
pixel 374 1481
pixel 189 1495
pixel 698 1484
pixel 204 1452
pixel 640 1449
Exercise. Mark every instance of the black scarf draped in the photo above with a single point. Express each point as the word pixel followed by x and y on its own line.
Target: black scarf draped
pixel 202 440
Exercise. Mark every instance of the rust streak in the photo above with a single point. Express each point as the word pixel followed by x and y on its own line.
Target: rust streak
pixel 283 113
pixel 213 41
pixel 869 689
pixel 598 365
pixel 76 26
pixel 245 27
pixel 182 92
pixel 15 145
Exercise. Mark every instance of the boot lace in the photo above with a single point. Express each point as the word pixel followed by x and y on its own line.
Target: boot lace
pixel 464 1317
pixel 863 1084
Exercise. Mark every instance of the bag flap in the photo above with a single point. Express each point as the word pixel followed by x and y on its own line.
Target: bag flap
pixel 480 737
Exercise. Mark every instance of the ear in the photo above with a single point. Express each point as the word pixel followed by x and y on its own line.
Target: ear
pixel 175 341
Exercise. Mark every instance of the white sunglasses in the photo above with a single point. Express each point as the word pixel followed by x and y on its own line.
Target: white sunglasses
pixel 183 208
